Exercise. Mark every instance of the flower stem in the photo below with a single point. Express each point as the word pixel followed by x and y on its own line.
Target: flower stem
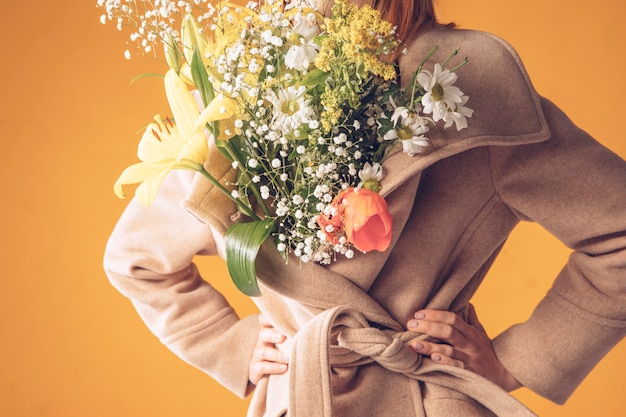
pixel 256 193
pixel 240 205
pixel 246 178
pixel 465 61
pixel 414 82
pixel 452 55
pixel 388 150
pixel 427 57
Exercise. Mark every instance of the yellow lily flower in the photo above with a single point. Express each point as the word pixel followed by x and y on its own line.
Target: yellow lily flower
pixel 166 145
pixel 214 43
pixel 192 37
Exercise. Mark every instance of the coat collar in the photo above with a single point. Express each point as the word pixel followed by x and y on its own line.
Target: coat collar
pixel 507 109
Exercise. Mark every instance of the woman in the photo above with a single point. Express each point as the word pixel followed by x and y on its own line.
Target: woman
pixel 453 208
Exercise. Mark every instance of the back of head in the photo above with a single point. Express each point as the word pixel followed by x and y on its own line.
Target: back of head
pixel 408 16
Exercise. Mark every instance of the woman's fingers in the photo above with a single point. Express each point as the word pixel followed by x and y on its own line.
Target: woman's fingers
pixel 271 353
pixel 443 354
pixel 443 325
pixel 439 352
pixel 267 339
pixel 443 317
pixel 270 358
pixel 267 359
pixel 460 344
pixel 263 368
pixel 271 335
pixel 427 348
pixel 260 369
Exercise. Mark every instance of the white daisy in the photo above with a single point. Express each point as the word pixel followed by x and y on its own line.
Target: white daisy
pixel 398 114
pixel 304 50
pixel 370 176
pixel 371 172
pixel 459 115
pixel 441 94
pixel 415 145
pixel 410 129
pixel 290 108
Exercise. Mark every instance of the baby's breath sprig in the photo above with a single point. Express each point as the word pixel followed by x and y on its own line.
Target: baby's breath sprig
pixel 153 23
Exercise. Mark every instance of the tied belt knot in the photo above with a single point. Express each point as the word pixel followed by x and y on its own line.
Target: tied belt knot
pixel 342 336
pixel 359 344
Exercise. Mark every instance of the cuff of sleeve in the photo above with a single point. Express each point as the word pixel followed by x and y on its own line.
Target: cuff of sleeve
pixel 223 353
pixel 557 347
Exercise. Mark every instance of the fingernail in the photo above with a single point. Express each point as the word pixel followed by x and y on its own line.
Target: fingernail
pixel 278 337
pixel 420 315
pixel 436 357
pixel 418 346
pixel 283 367
pixel 412 324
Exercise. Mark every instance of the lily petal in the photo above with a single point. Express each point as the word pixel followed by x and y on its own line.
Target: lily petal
pixel 184 108
pixel 147 190
pixel 164 146
pixel 192 36
pixel 160 142
pixel 135 173
pixel 221 108
pixel 196 150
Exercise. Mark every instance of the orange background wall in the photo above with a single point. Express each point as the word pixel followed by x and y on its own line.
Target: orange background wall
pixel 72 346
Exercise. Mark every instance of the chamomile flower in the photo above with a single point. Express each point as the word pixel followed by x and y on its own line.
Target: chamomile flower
pixel 414 145
pixel 371 175
pixel 304 49
pixel 441 93
pixel 291 108
pixel 410 129
pixel 459 115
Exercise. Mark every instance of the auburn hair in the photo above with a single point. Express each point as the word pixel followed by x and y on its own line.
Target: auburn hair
pixel 409 16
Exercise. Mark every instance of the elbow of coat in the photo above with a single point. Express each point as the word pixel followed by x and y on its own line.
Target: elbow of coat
pixel 117 266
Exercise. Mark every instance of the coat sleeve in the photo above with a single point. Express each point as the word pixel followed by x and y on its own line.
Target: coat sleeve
pixel 576 189
pixel 149 259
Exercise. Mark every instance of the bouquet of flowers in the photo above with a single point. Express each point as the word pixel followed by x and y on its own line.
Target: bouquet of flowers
pixel 305 107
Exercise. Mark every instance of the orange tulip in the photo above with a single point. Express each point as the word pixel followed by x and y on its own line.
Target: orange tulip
pixel 364 217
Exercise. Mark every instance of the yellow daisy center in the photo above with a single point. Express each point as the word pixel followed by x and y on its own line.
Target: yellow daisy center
pixel 437 92
pixel 290 107
pixel 372 185
pixel 405 133
pixel 295 38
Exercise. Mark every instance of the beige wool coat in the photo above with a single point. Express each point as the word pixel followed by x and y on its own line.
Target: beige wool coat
pixel 454 205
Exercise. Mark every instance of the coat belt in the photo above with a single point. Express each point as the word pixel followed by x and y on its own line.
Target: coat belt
pixel 343 337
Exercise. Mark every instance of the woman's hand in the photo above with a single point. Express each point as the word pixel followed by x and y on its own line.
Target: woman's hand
pixel 464 345
pixel 267 359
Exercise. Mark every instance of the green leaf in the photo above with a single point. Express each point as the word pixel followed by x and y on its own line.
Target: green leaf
pixel 314 78
pixel 201 78
pixel 140 76
pixel 243 241
pixel 385 125
pixel 232 149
